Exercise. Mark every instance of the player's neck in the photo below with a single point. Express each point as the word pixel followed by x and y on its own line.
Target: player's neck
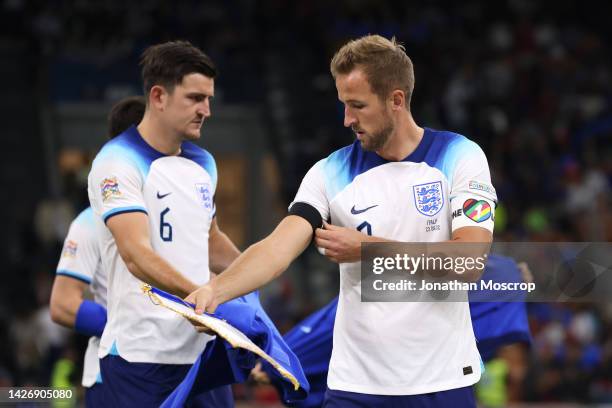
pixel 158 137
pixel 403 141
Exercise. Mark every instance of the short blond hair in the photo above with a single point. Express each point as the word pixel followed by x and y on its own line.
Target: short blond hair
pixel 384 62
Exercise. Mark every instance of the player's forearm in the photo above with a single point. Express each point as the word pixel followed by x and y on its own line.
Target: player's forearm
pixel 471 243
pixel 222 252
pixel 258 265
pixel 154 270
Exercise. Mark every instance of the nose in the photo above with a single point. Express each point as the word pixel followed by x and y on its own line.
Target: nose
pixel 349 119
pixel 204 109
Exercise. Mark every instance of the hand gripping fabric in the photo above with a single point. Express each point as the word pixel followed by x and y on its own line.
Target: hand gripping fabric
pixel 245 334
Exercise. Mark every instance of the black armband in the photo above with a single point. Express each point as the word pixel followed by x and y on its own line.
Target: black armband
pixel 307 212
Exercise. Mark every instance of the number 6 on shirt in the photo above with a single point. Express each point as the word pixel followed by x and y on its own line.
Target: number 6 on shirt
pixel 165 229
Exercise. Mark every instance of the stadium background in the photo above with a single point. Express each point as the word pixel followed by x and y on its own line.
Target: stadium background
pixel 530 82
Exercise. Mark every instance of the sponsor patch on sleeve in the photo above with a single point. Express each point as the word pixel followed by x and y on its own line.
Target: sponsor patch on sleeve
pixel 477 185
pixel 70 249
pixel 109 188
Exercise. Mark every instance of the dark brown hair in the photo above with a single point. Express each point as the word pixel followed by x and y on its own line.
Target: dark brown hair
pixel 166 64
pixel 125 113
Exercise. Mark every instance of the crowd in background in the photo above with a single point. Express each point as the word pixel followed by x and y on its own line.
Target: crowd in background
pixel 531 84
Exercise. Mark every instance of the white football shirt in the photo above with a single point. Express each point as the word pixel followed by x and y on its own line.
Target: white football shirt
pixel 406 348
pixel 80 259
pixel 176 192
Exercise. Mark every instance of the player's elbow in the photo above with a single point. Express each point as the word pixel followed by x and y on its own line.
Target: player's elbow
pixel 60 312
pixel 282 265
pixel 66 296
pixel 280 268
pixel 129 255
pixel 132 266
pixel 55 313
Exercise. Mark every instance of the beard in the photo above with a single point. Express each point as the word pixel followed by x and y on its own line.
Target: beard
pixel 191 134
pixel 378 138
pixel 190 137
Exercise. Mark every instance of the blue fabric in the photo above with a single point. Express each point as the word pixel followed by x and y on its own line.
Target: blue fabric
pixel 201 157
pixel 221 397
pixel 499 323
pixel 94 396
pixel 86 217
pixel 90 318
pixel 221 364
pixel 138 384
pixel 148 385
pixel 495 324
pixel 113 350
pixel 122 210
pixel 498 269
pixel 75 275
pixel 130 146
pixel 456 398
pixel 311 341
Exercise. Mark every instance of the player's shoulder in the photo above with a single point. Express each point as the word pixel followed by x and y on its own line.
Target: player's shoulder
pixel 344 154
pixel 120 143
pixel 447 149
pixel 200 156
pixel 344 161
pixel 196 153
pixel 128 145
pixel 448 142
pixel 126 152
pixel 85 217
pixel 83 224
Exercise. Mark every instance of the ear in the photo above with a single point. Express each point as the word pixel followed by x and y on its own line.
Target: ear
pixel 398 100
pixel 158 97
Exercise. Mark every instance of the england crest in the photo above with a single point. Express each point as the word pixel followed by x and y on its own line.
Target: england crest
pixel 428 198
pixel 205 195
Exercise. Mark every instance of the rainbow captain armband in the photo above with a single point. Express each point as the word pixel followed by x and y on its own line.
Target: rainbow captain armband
pixel 90 319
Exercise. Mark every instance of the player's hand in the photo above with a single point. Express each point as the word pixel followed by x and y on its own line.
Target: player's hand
pixel 259 375
pixel 204 299
pixel 339 244
pixel 200 328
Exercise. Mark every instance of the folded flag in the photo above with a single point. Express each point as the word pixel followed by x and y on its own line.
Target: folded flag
pixel 245 334
pixel 312 341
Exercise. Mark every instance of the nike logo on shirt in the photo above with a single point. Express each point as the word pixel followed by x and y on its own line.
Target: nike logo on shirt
pixel 354 211
pixel 163 195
